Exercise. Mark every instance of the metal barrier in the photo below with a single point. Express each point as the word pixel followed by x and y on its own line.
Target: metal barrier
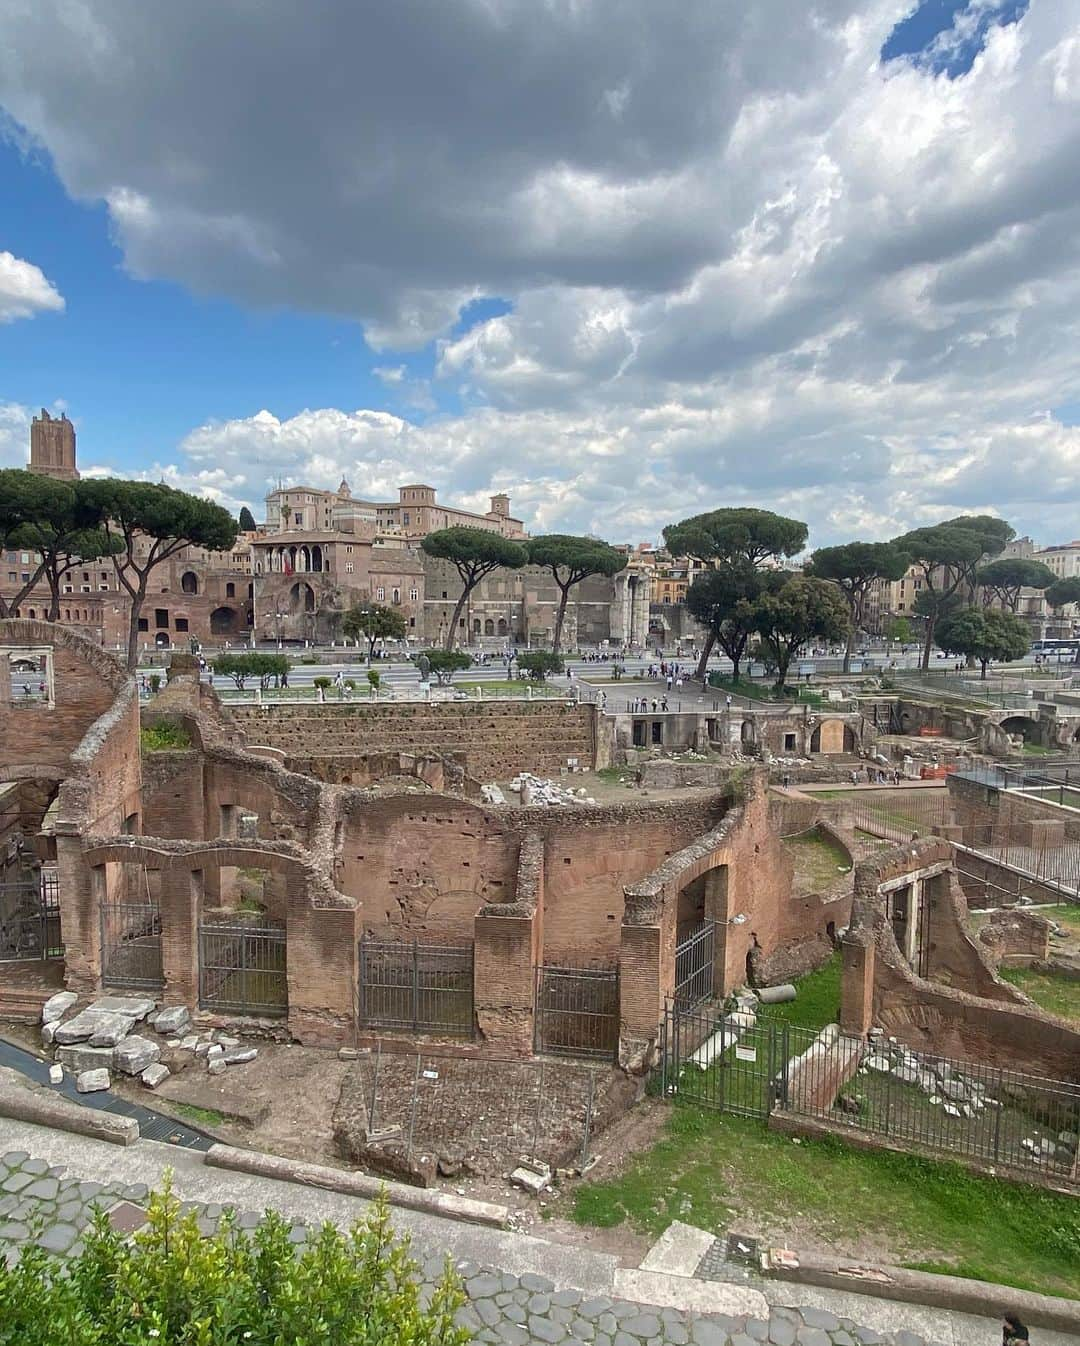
pixel 577 1011
pixel 414 987
pixel 694 959
pixel 242 969
pixel 878 1089
pixel 30 918
pixel 131 945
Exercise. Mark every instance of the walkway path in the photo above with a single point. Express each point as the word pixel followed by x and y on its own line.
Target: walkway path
pixel 521 1289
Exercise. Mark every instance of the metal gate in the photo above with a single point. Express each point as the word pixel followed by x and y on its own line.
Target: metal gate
pixel 694 960
pixel 242 969
pixel 30 918
pixel 131 945
pixel 420 988
pixel 709 1058
pixel 577 1011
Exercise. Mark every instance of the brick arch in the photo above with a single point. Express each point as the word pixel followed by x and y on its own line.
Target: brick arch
pixel 23 631
pixel 138 852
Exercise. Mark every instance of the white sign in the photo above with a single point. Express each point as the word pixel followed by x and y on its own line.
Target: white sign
pixel 745 1053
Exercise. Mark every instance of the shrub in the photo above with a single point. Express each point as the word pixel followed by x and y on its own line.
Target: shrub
pixel 539 663
pixel 165 736
pixel 168 1286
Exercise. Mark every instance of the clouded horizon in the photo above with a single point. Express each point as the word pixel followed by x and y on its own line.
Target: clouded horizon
pixel 625 261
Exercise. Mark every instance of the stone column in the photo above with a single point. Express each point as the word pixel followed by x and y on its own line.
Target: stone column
pixel 82 892
pixel 505 955
pixel 857 988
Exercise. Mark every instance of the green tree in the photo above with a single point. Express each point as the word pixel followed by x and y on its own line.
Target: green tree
pixel 168 1285
pixel 149 523
pixel 855 567
pixel 539 663
pixel 1005 578
pixel 795 613
pixel 944 554
pixel 474 553
pixel 993 534
pixel 251 664
pixel 1060 595
pixel 246 520
pixel 723 601
pixel 445 663
pixel 734 537
pixel 900 630
pixel 374 622
pixel 571 560
pixel 374 678
pixel 984 634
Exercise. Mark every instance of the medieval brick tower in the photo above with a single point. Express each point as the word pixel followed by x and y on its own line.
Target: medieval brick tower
pixel 52 447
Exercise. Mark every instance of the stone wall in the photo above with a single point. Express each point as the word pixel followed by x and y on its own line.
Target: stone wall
pixel 496 739
pixel 971 1014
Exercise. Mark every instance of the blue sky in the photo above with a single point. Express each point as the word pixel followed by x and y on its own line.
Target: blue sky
pixel 578 330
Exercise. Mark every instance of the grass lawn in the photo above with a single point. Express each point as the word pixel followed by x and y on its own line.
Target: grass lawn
pixel 720 1172
pixel 203 1116
pixel 763 691
pixel 819 861
pixel 818 999
pixel 1058 995
pixel 1066 913
pixel 513 687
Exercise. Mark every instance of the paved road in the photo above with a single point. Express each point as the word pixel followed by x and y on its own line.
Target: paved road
pixel 522 1290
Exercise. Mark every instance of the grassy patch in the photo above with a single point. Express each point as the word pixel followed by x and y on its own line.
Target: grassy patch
pixel 165 736
pixel 614 774
pixel 515 687
pixel 761 691
pixel 819 861
pixel 719 1171
pixel 818 1000
pixel 203 1116
pixel 1053 993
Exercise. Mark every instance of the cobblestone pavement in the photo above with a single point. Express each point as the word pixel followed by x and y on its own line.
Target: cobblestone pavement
pixel 52 1207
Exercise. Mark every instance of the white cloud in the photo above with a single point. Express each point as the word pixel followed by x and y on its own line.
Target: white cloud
pixel 24 290
pixel 14 435
pixel 746 261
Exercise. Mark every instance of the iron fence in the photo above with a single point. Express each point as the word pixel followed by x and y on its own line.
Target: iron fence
pixel 694 960
pixel 406 985
pixel 482 1115
pixel 131 945
pixel 876 1088
pixel 30 918
pixel 577 1011
pixel 242 969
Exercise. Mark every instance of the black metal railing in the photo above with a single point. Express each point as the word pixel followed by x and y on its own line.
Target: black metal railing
pixel 131 954
pixel 414 987
pixel 876 1088
pixel 577 1011
pixel 695 956
pixel 242 969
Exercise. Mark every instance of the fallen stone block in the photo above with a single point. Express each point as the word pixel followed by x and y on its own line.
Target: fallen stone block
pixel 215 1050
pixel 238 1056
pixel 48 1034
pixel 111 1031
pixel 188 1044
pixel 224 1040
pixel 92 1081
pixel 216 1065
pixel 57 1006
pixel 134 1007
pixel 153 1075
pixel 529 1180
pixel 80 1057
pixel 173 1021
pixel 56 1074
pixel 134 1054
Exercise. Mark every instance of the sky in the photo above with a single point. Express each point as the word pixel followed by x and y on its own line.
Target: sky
pixel 623 260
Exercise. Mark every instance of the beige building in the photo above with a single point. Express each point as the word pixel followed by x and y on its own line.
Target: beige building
pixel 416 513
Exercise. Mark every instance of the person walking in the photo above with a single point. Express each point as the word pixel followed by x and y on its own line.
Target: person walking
pixel 1013 1331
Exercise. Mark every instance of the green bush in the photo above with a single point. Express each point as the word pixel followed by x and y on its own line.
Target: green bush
pixel 539 663
pixel 168 1286
pixel 322 683
pixel 165 736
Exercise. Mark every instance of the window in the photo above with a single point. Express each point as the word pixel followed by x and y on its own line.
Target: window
pixel 348 567
pixel 189 582
pixel 103 588
pixel 25 576
pixel 414 595
pixel 380 593
pixel 397 596
pixel 789 742
pixel 161 618
pixel 12 576
pixel 230 590
pixel 298 518
pixel 181 623
pixel 85 588
pixel 412 621
pixel 657 731
pixel 348 551
pixel 444 594
pixel 405 517
pixel 86 577
pixel 105 576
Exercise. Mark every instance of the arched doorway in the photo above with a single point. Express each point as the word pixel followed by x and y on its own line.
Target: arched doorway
pixel 161 640
pixel 1019 726
pixel 223 621
pixel 502 626
pixel 189 582
pixel 489 627
pixel 301 598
